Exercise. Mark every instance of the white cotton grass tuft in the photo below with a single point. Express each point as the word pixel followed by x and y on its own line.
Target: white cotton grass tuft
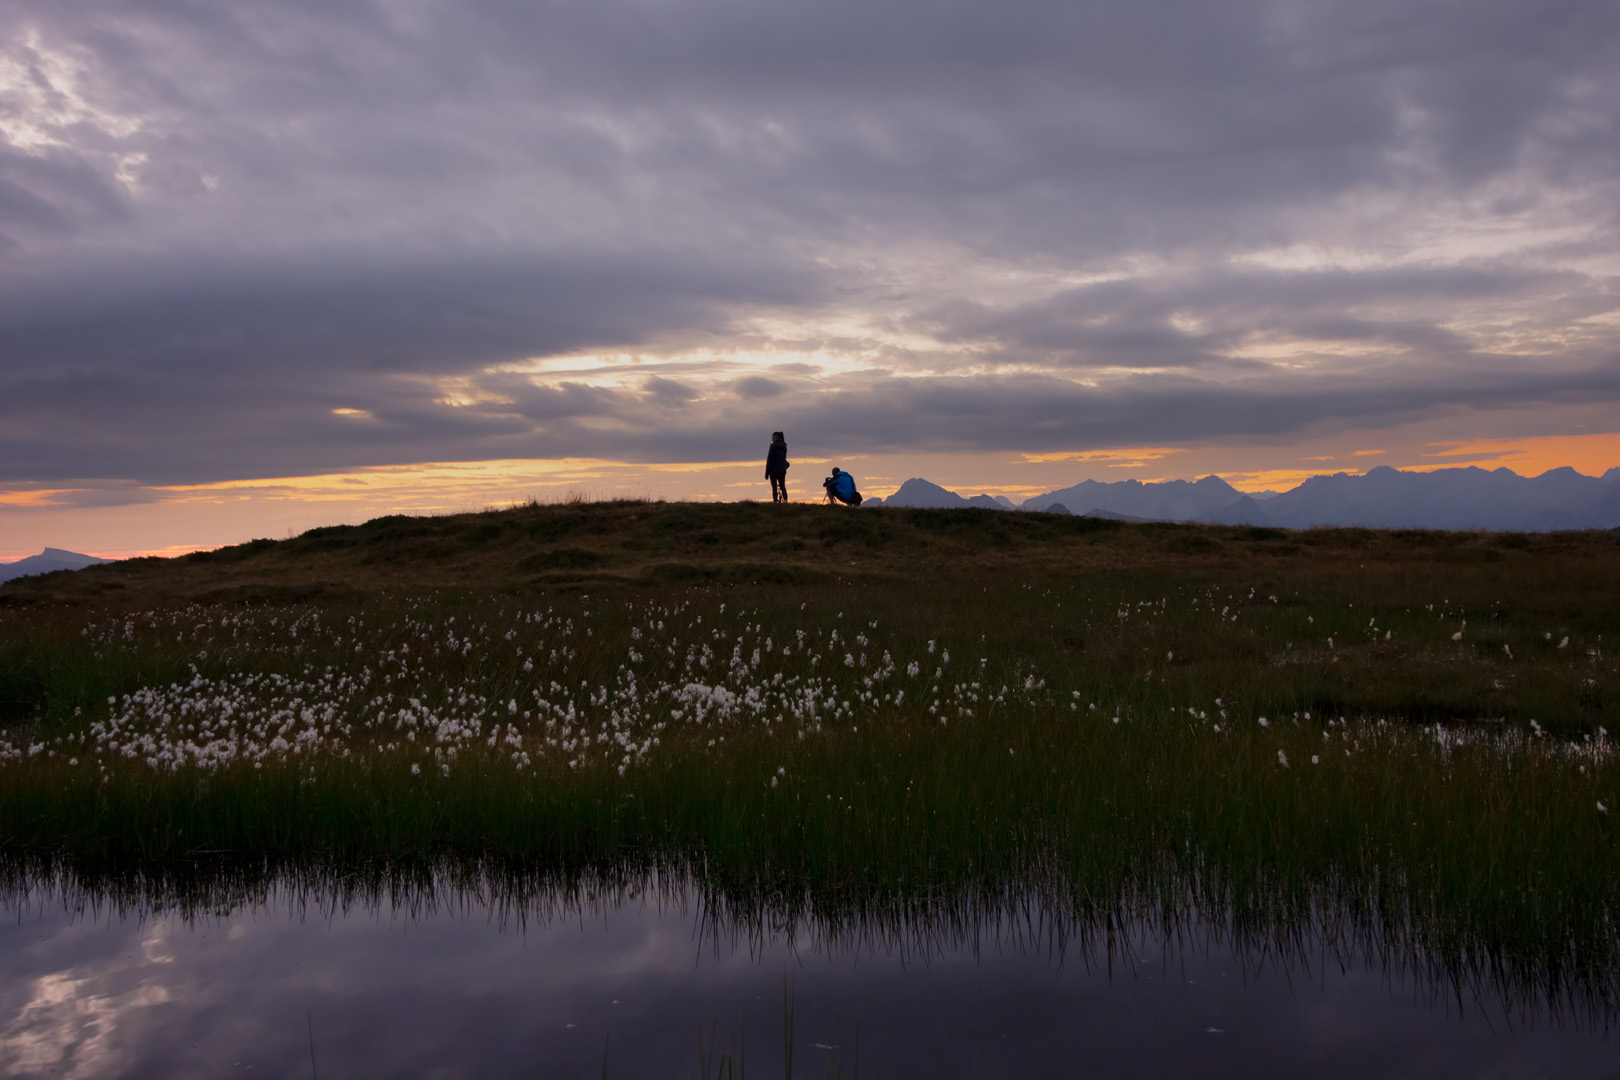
pixel 395 697
pixel 707 682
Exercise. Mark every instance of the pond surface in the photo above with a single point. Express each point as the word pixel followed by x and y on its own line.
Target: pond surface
pixel 282 988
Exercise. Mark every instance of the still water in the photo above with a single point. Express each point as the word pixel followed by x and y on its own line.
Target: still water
pixel 283 987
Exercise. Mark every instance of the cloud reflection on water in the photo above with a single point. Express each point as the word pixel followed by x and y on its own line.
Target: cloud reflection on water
pixel 465 992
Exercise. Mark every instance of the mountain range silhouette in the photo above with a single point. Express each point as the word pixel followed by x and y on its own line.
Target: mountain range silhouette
pixel 1383 497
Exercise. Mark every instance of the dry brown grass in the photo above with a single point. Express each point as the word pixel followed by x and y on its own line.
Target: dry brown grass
pixel 545 548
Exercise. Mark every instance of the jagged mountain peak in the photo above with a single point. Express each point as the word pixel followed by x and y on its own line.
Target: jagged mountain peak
pixel 1462 497
pixel 925 493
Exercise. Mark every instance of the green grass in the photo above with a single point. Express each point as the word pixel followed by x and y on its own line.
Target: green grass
pixel 1437 829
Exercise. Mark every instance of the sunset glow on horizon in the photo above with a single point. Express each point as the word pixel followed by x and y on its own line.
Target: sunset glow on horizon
pixel 234 511
pixel 299 267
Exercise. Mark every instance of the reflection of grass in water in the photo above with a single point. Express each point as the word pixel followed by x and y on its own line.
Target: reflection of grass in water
pixel 1111 934
pixel 1472 854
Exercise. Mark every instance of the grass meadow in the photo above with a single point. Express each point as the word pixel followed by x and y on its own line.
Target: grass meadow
pixel 889 724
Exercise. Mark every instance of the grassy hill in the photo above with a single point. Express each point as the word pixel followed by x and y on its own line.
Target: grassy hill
pixel 1397 740
pixel 539 548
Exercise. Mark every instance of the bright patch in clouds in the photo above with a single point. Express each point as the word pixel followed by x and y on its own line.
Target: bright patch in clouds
pixel 616 244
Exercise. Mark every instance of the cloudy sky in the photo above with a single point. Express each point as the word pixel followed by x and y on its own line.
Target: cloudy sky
pixel 267 265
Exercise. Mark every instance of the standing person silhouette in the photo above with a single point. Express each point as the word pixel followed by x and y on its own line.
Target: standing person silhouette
pixel 776 467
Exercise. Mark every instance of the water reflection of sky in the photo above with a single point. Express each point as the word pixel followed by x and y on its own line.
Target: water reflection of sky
pixel 460 994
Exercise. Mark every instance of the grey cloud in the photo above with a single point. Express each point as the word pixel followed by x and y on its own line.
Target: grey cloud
pixel 458 311
pixel 198 376
pixel 335 204
pixel 1126 322
pixel 53 193
pixel 756 386
pixel 1039 413
pixel 1027 412
pixel 667 392
pixel 1108 125
pixel 84 495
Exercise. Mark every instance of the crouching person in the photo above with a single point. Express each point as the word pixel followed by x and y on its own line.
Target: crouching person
pixel 840 488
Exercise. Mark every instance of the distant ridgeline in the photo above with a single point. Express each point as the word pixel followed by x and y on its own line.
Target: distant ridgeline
pixel 46 561
pixel 1385 498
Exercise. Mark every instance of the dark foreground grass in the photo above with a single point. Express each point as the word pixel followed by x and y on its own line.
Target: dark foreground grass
pixel 1405 757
